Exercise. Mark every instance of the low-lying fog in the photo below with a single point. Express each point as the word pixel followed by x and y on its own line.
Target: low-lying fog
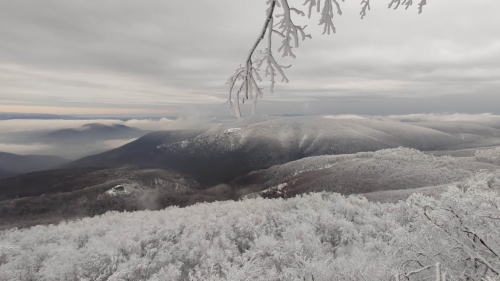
pixel 73 139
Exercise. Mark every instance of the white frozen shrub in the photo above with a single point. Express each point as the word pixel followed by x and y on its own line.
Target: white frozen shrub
pixel 491 156
pixel 364 171
pixel 324 236
pixel 279 22
pixel 461 230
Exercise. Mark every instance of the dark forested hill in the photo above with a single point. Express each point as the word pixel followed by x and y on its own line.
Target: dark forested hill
pixel 13 164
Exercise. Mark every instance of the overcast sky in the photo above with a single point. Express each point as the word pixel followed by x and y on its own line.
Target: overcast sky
pixel 165 57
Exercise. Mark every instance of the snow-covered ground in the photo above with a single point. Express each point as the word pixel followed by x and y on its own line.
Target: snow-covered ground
pixel 367 172
pixel 321 236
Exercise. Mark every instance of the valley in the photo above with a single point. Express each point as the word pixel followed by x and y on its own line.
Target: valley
pixel 270 157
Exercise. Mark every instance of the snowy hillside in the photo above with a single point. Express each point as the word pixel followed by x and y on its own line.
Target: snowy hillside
pixel 388 169
pixel 318 135
pixel 321 236
pixel 139 152
pixel 238 147
pixel 250 144
pixel 461 128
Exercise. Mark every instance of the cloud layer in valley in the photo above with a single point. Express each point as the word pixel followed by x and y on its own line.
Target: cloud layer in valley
pixel 20 125
pixel 25 136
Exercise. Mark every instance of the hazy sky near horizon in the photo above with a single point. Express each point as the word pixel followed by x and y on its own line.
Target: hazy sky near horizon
pixel 164 57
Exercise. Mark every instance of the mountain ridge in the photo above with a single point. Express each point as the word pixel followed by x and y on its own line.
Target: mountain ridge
pixel 15 164
pixel 93 131
pixel 228 150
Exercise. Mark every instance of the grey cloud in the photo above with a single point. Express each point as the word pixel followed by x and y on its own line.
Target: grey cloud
pixel 27 125
pixel 162 53
pixel 485 118
pixel 62 150
pixel 39 149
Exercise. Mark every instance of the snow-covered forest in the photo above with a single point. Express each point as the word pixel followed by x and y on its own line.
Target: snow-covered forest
pixel 318 236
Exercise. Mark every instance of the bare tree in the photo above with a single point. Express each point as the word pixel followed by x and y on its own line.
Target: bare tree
pixel 279 23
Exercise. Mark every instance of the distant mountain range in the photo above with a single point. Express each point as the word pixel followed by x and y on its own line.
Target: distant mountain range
pixel 92 132
pixel 232 149
pixel 87 133
pixel 14 164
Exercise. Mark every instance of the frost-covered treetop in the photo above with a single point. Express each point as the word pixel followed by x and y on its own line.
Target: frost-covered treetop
pixel 279 22
pixel 319 236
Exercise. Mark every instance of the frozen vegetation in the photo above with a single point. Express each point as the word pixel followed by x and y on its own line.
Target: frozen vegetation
pixel 320 236
pixel 382 170
pixel 380 231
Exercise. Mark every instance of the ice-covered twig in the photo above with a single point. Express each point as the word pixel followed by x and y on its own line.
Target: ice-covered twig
pixel 407 4
pixel 272 65
pixel 246 73
pixel 365 5
pixel 282 24
pixel 290 30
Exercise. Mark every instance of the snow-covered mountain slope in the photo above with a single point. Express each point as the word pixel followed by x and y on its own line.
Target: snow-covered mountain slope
pixel 229 150
pixel 390 169
pixel 461 128
pixel 475 136
pixel 317 135
pixel 139 152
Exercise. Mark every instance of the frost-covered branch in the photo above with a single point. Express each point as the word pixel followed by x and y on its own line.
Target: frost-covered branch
pixel 407 4
pixel 407 275
pixel 279 22
pixel 365 5
pixel 247 74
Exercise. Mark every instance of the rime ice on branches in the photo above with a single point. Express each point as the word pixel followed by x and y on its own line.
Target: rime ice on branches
pixel 243 83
